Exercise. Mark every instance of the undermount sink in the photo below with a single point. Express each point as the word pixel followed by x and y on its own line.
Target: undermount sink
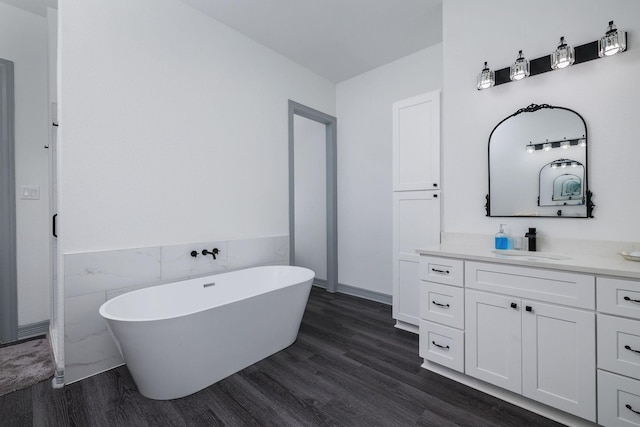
pixel 528 255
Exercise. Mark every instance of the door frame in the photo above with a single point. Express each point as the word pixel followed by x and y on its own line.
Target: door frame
pixel 8 262
pixel 330 122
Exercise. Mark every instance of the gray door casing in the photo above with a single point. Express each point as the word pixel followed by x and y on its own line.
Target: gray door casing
pixel 330 123
pixel 8 269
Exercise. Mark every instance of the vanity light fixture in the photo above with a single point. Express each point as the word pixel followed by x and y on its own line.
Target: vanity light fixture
pixel 486 78
pixel 564 144
pixel 563 56
pixel 519 69
pixel 612 42
pixel 563 163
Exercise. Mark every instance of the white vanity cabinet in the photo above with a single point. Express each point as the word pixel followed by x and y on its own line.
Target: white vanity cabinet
pixel 542 350
pixel 618 352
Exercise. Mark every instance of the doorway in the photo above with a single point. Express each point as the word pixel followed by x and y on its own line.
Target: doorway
pixel 8 269
pixel 300 113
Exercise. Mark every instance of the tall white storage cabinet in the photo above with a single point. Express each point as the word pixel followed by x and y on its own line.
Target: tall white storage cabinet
pixel 416 198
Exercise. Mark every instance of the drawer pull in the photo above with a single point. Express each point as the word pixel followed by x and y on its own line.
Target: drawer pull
pixel 630 349
pixel 440 271
pixel 441 305
pixel 514 305
pixel 631 409
pixel 446 347
pixel 625 298
pixel 528 308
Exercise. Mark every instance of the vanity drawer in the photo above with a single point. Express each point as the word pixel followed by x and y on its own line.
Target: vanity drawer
pixel 619 345
pixel 559 287
pixel 618 400
pixel 618 296
pixel 442 304
pixel 442 345
pixel 442 270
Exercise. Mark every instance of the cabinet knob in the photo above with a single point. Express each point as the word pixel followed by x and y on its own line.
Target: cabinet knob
pixel 528 308
pixel 514 305
pixel 435 184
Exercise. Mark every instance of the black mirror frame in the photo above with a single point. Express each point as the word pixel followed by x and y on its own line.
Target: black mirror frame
pixel 588 194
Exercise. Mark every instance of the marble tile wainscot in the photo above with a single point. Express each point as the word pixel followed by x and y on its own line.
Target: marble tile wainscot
pixel 529 326
pixel 91 278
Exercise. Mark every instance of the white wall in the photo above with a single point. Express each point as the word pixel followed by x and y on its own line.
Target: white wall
pixel 310 195
pixel 605 92
pixel 363 106
pixel 23 40
pixel 173 127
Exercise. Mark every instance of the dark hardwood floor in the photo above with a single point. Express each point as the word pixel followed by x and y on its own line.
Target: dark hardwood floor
pixel 349 367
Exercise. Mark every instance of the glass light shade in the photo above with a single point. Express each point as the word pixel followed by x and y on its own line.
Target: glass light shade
pixel 565 144
pixel 546 146
pixel 530 148
pixel 563 56
pixel 554 165
pixel 519 69
pixel 613 42
pixel 486 78
pixel 582 142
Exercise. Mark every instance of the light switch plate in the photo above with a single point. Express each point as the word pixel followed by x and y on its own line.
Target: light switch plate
pixel 30 192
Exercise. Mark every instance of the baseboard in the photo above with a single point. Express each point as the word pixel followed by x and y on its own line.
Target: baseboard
pixel 357 292
pixel 33 329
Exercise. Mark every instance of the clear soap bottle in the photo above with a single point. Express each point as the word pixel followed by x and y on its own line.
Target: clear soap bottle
pixel 502 240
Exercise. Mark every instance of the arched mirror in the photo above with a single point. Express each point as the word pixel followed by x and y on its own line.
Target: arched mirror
pixel 538 164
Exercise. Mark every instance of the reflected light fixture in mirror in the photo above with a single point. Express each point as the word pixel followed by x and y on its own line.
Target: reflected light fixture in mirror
pixel 613 42
pixel 486 78
pixel 519 69
pixel 563 56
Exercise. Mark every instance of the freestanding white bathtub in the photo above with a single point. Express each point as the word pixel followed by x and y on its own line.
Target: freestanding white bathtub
pixel 179 338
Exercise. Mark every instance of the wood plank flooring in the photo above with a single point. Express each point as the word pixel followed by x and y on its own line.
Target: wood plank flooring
pixel 349 367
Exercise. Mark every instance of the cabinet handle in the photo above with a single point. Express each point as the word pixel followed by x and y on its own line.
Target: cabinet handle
pixel 528 308
pixel 441 305
pixel 446 347
pixel 514 305
pixel 631 409
pixel 632 300
pixel 630 349
pixel 440 271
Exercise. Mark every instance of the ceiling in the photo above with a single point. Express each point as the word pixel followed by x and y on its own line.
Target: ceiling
pixel 337 39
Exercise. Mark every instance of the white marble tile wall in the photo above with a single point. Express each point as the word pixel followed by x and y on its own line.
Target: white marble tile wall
pixel 94 277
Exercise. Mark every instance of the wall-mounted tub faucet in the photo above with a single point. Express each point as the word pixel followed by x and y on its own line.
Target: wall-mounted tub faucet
pixel 213 252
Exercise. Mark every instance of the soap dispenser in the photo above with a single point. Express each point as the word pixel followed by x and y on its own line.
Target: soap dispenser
pixel 502 240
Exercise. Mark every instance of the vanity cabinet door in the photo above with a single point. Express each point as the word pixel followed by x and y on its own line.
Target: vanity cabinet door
pixel 558 357
pixel 493 339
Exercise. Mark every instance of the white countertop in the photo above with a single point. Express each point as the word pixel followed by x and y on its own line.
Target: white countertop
pixel 610 265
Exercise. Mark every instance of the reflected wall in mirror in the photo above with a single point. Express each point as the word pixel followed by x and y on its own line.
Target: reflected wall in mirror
pixel 538 164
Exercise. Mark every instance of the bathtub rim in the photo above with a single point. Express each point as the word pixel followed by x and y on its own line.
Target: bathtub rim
pixel 103 310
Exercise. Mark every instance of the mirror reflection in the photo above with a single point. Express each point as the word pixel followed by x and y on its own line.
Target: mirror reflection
pixel 538 164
